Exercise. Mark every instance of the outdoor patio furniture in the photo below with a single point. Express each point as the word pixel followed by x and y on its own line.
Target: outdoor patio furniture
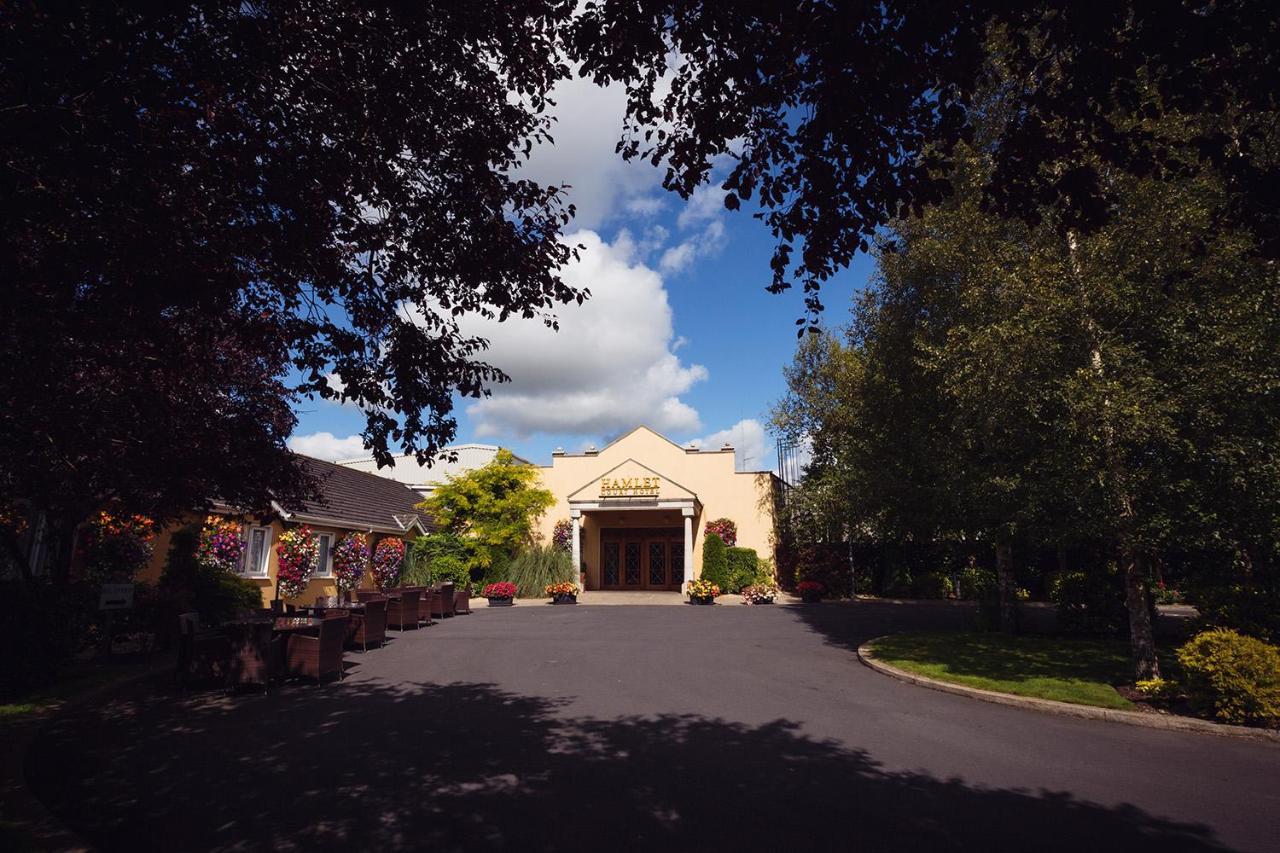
pixel 462 601
pixel 316 657
pixel 200 652
pixel 335 613
pixel 444 600
pixel 277 607
pixel 424 605
pixel 369 627
pixel 368 594
pixel 402 609
pixel 255 653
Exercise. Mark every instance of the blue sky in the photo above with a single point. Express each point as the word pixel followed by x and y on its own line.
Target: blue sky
pixel 680 333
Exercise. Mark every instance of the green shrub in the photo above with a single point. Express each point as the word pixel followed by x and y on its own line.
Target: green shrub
pixel 1235 677
pixel 744 565
pixel 537 566
pixel 715 561
pixel 975 583
pixel 934 585
pixel 1090 602
pixel 898 582
pixel 186 584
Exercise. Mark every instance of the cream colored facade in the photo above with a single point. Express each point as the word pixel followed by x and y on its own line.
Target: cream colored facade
pixel 639 505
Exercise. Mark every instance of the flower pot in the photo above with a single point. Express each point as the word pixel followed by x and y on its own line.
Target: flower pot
pixel 562 598
pixel 501 602
pixel 703 599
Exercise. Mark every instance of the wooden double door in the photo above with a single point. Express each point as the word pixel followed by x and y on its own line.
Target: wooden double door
pixel 642 558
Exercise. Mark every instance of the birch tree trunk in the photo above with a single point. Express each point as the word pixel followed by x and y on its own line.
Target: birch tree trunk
pixel 1141 636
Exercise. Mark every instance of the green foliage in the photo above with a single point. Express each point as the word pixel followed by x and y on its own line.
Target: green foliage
pixel 492 508
pixel 188 584
pixel 1235 677
pixel 45 624
pixel 536 567
pixel 715 561
pixel 743 565
pixel 934 585
pixel 1090 602
pixel 438 556
pixel 976 583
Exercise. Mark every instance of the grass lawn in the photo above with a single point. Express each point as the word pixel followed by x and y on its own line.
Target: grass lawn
pixel 1065 669
pixel 77 680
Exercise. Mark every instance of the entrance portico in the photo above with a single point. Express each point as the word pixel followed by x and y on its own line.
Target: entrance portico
pixel 643 524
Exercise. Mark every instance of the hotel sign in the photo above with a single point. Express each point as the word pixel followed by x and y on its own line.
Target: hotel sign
pixel 629 487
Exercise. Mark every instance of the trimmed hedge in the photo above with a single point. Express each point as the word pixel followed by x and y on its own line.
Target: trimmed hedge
pixel 1235 677
pixel 744 568
pixel 715 561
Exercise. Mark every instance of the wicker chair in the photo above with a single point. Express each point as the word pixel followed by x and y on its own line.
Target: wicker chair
pixel 256 655
pixel 424 604
pixel 368 595
pixel 201 654
pixel 462 601
pixel 404 610
pixel 316 657
pixel 369 627
pixel 442 600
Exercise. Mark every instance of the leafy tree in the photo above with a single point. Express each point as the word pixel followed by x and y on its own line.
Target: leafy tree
pixel 837 117
pixel 493 508
pixel 208 207
pixel 1035 384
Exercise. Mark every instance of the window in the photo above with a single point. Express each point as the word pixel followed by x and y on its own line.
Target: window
pixel 324 556
pixel 253 562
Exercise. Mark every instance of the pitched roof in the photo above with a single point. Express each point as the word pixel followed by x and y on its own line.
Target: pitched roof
pixel 359 499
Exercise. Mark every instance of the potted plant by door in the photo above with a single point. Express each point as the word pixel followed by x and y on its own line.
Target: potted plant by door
pixel 500 594
pixel 703 592
pixel 810 592
pixel 563 593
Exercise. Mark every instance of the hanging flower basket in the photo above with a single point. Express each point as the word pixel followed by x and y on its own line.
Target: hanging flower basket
pixel 296 556
pixel 350 557
pixel 221 544
pixel 388 557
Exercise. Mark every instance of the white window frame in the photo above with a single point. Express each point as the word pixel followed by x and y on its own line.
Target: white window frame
pixel 324 572
pixel 262 570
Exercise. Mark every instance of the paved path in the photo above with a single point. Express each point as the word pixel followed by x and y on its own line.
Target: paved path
pixel 642 728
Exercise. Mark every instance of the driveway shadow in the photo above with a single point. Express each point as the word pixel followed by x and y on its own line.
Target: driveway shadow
pixel 467 766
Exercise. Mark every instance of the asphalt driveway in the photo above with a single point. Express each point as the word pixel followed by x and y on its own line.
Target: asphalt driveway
pixel 640 728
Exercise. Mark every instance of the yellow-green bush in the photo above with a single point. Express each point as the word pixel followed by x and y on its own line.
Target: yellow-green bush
pixel 1234 676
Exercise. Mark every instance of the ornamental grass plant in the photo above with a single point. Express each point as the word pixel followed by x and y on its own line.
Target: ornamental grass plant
pixel 537 567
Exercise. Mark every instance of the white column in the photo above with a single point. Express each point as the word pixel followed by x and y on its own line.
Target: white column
pixel 576 515
pixel 688 547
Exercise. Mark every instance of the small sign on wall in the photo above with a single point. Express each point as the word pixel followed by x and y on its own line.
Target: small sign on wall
pixel 116 596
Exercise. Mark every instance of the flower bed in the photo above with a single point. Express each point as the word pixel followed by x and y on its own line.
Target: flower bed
pixel 563 592
pixel 811 591
pixel 759 594
pixel 500 591
pixel 703 591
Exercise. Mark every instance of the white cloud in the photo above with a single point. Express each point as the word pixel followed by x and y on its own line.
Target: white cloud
pixel 753 450
pixel 326 445
pixel 705 244
pixel 645 205
pixel 611 365
pixel 706 203
pixel 588 126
